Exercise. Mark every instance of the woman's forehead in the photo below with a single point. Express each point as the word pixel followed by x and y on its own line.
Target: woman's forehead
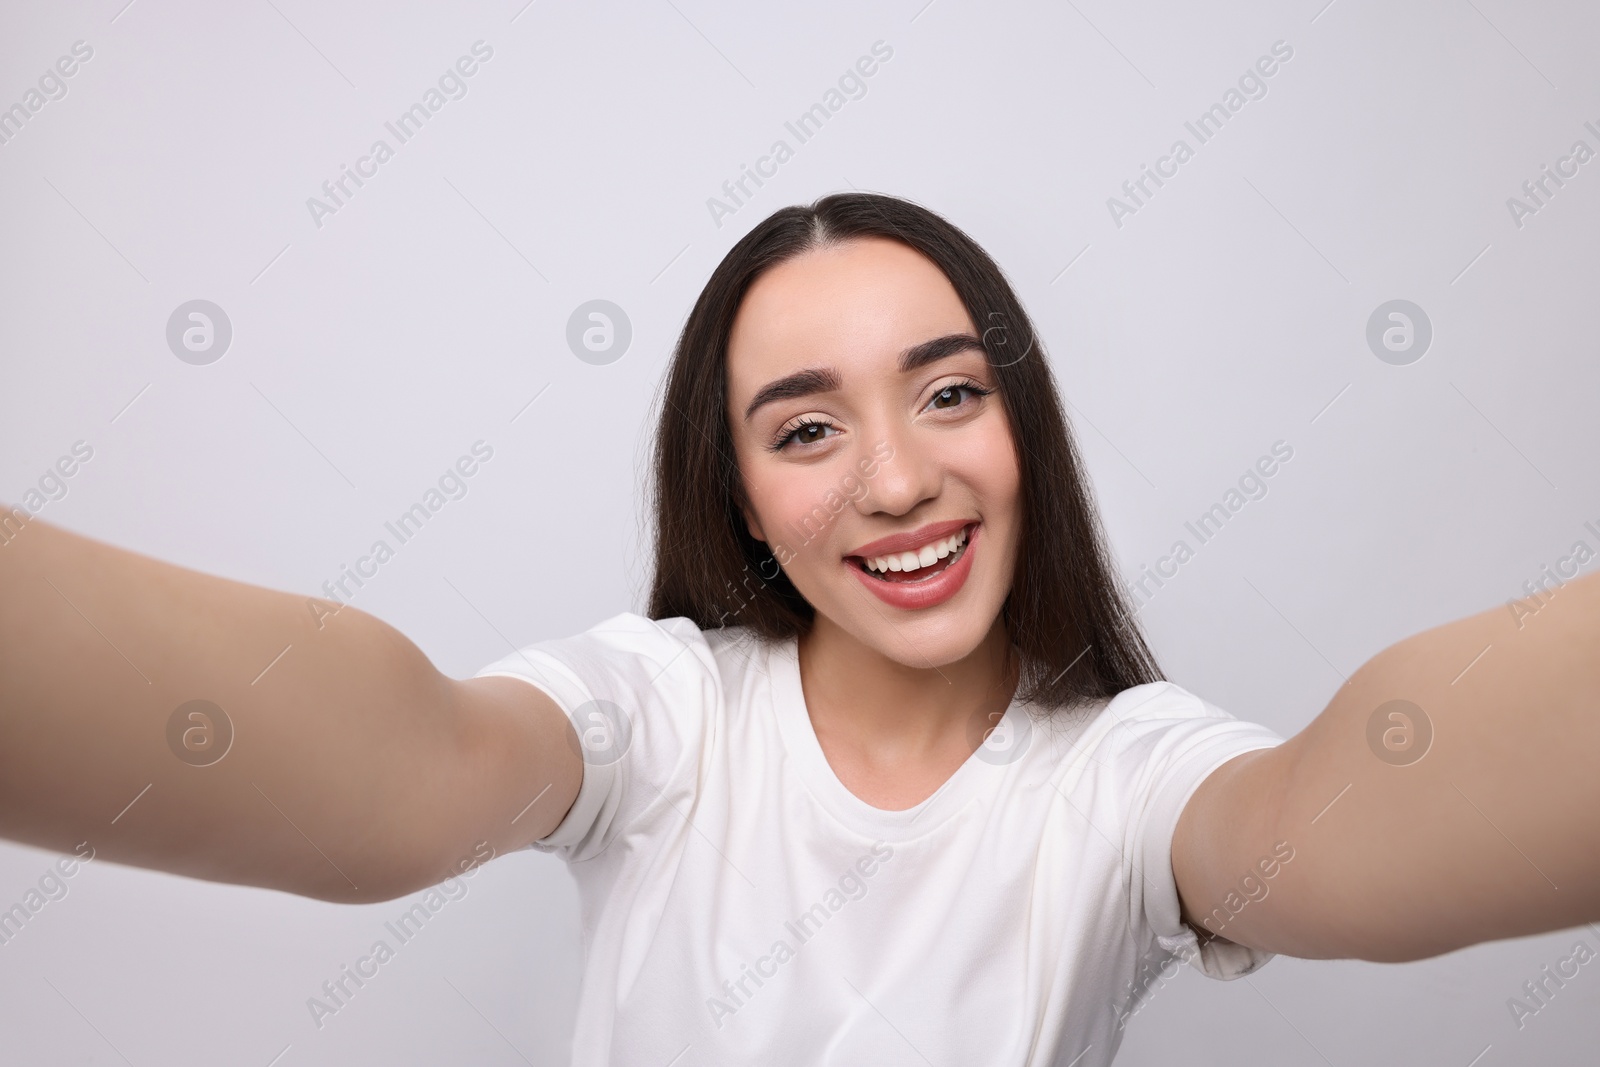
pixel 853 304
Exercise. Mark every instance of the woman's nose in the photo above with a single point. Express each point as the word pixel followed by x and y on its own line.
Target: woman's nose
pixel 906 474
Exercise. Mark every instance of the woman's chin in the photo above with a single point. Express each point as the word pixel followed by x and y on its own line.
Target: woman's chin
pixel 933 638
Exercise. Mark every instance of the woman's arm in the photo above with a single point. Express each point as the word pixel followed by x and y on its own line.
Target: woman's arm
pixel 1493 832
pixel 356 772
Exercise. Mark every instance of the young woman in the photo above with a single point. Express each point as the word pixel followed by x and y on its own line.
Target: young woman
pixel 886 775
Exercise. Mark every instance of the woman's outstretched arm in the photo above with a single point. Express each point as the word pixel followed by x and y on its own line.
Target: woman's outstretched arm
pixel 356 771
pixel 1404 845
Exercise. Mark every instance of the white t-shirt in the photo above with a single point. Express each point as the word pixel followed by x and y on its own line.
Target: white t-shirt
pixel 741 906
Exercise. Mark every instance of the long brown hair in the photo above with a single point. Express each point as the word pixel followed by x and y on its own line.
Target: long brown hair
pixel 1066 612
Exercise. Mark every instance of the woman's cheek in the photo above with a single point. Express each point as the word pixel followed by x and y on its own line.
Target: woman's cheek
pixel 988 463
pixel 788 515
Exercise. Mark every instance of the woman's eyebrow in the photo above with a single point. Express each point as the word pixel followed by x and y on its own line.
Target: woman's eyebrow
pixel 825 379
pixel 800 383
pixel 919 356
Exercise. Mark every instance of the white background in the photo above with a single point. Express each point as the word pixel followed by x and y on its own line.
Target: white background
pixel 369 353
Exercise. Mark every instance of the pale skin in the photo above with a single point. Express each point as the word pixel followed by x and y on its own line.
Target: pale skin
pixel 362 773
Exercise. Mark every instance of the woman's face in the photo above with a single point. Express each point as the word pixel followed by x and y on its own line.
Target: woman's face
pixel 848 432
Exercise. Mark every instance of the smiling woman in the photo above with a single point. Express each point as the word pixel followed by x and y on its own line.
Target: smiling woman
pixel 945 668
pixel 943 674
pixel 872 282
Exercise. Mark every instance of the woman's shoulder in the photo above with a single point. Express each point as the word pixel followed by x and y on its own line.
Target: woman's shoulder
pixel 1162 705
pixel 1138 728
pixel 634 651
pixel 1148 702
pixel 1157 736
pixel 630 633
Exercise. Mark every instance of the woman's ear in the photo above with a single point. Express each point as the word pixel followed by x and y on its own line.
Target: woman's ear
pixel 753 526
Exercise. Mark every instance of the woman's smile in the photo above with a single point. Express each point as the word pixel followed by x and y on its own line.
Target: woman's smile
pixel 919 569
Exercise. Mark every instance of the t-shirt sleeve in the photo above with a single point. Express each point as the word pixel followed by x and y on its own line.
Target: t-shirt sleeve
pixel 642 696
pixel 1162 745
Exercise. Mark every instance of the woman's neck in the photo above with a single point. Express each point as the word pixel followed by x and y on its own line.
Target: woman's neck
pixel 894 733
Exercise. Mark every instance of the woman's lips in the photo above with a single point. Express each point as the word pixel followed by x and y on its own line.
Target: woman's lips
pixel 906 542
pixel 916 593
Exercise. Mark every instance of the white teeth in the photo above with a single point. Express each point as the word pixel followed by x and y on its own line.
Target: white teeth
pixel 926 556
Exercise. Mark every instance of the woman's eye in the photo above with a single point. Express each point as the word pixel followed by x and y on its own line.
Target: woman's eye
pixel 806 433
pixel 811 431
pixel 950 395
